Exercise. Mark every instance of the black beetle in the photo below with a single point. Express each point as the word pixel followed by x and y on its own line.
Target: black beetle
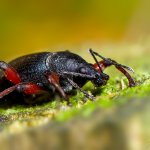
pixel 46 72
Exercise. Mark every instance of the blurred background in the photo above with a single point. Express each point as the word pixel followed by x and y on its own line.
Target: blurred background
pixel 119 29
pixel 27 26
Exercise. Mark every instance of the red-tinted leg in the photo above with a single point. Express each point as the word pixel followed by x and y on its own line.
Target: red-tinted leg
pixel 10 73
pixel 53 79
pixel 26 88
pixel 106 62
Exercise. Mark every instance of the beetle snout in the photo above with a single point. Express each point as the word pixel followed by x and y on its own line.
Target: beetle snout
pixel 104 76
pixel 100 79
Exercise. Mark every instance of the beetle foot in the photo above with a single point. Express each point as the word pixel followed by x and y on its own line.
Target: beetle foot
pixel 89 96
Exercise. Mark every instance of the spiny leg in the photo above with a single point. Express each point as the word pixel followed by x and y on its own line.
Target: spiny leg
pixel 26 88
pixel 10 73
pixel 107 62
pixel 74 74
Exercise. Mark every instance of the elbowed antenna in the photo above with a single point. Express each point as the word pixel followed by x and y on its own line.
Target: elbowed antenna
pixel 109 61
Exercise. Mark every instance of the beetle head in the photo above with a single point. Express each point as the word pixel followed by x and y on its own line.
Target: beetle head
pixel 97 78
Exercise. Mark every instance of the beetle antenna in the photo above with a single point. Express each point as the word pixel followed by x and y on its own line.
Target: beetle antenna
pixel 97 54
pixel 92 53
pixel 110 61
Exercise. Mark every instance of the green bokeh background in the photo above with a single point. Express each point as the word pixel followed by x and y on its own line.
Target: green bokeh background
pixel 27 26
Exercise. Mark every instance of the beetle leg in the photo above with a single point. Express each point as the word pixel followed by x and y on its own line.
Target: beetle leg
pixel 77 87
pixel 26 88
pixel 66 86
pixel 107 62
pixel 10 73
pixel 53 79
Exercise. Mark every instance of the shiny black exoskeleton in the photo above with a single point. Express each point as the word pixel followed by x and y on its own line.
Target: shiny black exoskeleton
pixel 45 73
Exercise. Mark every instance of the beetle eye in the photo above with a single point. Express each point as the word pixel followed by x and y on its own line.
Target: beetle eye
pixel 82 70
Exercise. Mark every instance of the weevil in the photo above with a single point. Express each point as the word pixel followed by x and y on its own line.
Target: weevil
pixel 46 73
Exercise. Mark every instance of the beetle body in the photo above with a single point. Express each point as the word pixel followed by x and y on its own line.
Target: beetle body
pixel 47 72
pixel 32 68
